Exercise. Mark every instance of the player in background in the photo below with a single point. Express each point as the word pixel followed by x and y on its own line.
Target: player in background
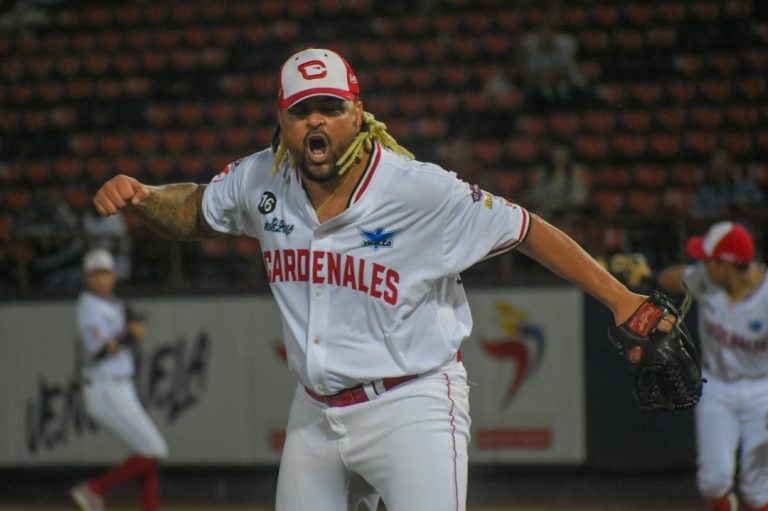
pixel 363 247
pixel 107 336
pixel 731 291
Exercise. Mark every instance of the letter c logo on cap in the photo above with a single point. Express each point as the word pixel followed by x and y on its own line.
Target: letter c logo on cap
pixel 313 70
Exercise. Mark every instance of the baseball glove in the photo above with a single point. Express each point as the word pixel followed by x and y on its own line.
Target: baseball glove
pixel 665 365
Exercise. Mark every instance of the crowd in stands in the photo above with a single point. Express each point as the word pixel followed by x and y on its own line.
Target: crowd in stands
pixel 630 123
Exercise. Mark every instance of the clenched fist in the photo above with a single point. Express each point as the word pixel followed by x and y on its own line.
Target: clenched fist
pixel 117 193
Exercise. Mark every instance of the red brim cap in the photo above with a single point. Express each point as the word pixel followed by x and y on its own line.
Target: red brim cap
pixel 695 248
pixel 725 241
pixel 316 72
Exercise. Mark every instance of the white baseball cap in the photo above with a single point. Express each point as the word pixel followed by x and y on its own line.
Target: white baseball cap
pixel 98 259
pixel 316 72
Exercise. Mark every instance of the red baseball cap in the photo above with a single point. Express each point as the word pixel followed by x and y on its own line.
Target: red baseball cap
pixel 725 241
pixel 316 72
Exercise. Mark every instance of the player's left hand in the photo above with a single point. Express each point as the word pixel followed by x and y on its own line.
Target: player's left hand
pixel 664 362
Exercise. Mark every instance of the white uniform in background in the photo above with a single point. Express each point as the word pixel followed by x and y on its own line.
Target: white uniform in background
pixel 108 386
pixel 732 416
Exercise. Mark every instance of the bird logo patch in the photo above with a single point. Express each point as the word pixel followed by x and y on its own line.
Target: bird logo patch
pixel 378 238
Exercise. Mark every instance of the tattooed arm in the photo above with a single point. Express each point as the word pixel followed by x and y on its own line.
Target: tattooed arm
pixel 172 210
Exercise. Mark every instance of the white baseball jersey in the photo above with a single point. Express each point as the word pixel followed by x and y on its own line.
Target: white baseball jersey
pixel 733 335
pixel 375 291
pixel 99 321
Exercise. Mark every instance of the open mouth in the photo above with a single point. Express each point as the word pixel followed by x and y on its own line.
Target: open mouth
pixel 317 147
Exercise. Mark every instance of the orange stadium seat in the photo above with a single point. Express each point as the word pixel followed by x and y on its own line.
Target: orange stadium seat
pixel 742 116
pixel 478 21
pixel 221 112
pixel 640 14
pixel 671 119
pixel 6 226
pixel 628 145
pixel 752 88
pixel 487 151
pixel 98 169
pixel 671 13
pixel 606 15
pixel 628 40
pixel 403 52
pixel 38 172
pixel 643 202
pixel 690 66
pixel 634 120
pixel 193 166
pixel 205 139
pixel 574 16
pixel 411 104
pixel 441 103
pixel 252 111
pixel 497 45
pixel 465 47
pixel 522 151
pixel 677 199
pixel 506 183
pixel 128 165
pixel 445 23
pixel 716 91
pixel 564 124
pixel 706 117
pixel 613 176
pixel 665 145
pixel 421 77
pixel 431 128
pixel 651 176
pixel 648 93
pixel 591 147
pixel 160 167
pixel 661 38
pixel 594 40
pixel 738 143
pixel 17 200
pixel 508 19
pixel 700 142
pixel 68 169
pixel 608 202
pixel 77 197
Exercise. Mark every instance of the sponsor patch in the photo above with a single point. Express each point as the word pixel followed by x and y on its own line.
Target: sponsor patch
pixel 276 225
pixel 488 202
pixel 378 238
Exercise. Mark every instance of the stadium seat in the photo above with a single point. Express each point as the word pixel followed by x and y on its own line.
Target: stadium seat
pixel 670 13
pixel 628 40
pixel 715 91
pixel 37 172
pixel 128 165
pixel 442 103
pixel 522 151
pixel 6 227
pixel 77 197
pixel 678 200
pixel 634 120
pixel 608 202
pixel 67 169
pixel 487 151
pixel 739 143
pixel 682 92
pixel 613 176
pixel 650 177
pixel 672 119
pixel 648 93
pixel 564 124
pixel 643 202
pixel 628 146
pixel 160 167
pixel 17 200
pixel 591 147
pixel 411 104
pixel 705 117
pixel 742 116
pixel 665 146
pixel 605 15
pixel 599 121
pixel 574 16
pixel 98 169
pixel 700 143
pixel 638 13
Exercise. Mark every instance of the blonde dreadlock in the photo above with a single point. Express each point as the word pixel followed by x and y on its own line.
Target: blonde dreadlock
pixel 376 131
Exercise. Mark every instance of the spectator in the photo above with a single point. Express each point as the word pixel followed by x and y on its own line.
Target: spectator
pixel 560 188
pixel 727 190
pixel 548 66
pixel 50 229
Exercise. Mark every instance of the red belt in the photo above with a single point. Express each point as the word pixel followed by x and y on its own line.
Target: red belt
pixel 357 394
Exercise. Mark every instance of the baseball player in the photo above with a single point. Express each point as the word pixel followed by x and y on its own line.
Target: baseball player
pixel 110 395
pixel 363 248
pixel 732 295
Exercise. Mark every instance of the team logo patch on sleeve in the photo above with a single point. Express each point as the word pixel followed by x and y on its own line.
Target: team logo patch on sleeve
pixel 378 238
pixel 226 170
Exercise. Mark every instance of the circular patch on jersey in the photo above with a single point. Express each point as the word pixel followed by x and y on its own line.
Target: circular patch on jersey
pixel 267 203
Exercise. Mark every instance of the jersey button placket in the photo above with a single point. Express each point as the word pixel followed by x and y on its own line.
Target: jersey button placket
pixel 318 318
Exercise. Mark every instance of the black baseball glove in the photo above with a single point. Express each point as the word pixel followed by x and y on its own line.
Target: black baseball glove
pixel 665 365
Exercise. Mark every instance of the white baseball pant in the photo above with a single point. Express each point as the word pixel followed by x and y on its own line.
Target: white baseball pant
pixel 114 404
pixel 731 425
pixel 408 446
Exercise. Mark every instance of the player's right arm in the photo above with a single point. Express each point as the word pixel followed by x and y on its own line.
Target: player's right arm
pixel 173 210
pixel 671 279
